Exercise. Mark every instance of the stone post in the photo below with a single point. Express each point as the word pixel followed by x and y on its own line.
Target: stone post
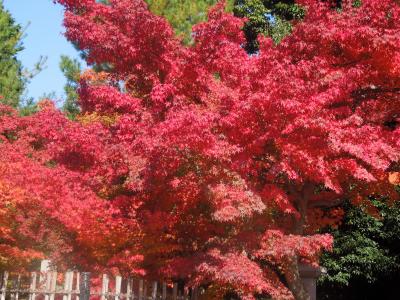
pixel 309 276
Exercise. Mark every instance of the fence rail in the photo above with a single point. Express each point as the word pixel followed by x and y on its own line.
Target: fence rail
pixel 71 285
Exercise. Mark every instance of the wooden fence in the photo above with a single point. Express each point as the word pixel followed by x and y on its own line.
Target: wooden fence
pixel 72 285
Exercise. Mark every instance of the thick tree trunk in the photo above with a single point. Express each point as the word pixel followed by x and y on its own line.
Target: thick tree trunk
pixel 292 276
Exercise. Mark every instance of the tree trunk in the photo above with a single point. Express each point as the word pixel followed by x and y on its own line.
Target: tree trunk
pixel 292 275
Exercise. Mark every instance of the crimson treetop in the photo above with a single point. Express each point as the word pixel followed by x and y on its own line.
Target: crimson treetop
pixel 222 161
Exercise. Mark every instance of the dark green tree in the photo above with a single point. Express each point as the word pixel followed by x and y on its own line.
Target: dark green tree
pixel 12 82
pixel 71 69
pixel 183 14
pixel 365 262
pixel 274 18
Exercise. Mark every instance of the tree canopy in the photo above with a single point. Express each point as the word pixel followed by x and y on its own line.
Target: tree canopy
pixel 204 163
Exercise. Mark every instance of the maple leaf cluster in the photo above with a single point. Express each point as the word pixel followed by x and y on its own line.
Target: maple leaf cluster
pixel 203 162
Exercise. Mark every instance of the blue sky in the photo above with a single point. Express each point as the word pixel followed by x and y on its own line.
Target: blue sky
pixel 43 37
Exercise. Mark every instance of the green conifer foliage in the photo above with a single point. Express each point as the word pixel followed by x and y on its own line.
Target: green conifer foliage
pixel 183 14
pixel 267 17
pixel 71 69
pixel 11 79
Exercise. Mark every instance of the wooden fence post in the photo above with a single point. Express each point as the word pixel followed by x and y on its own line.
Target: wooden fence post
pixel 175 291
pixel 78 280
pixel 45 278
pixel 53 284
pixel 4 285
pixel 84 286
pixel 154 291
pixel 118 282
pixel 141 289
pixel 104 288
pixel 32 294
pixel 164 291
pixel 14 295
pixel 68 281
pixel 18 286
pixel 129 289
pixel 195 294
pixel 145 290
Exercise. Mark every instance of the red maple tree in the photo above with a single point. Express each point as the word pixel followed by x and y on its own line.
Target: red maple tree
pixel 205 163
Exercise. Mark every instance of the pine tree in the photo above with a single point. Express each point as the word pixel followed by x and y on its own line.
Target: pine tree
pixel 183 14
pixel 11 79
pixel 71 69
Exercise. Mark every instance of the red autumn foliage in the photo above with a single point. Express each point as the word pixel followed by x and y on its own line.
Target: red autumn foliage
pixel 208 164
